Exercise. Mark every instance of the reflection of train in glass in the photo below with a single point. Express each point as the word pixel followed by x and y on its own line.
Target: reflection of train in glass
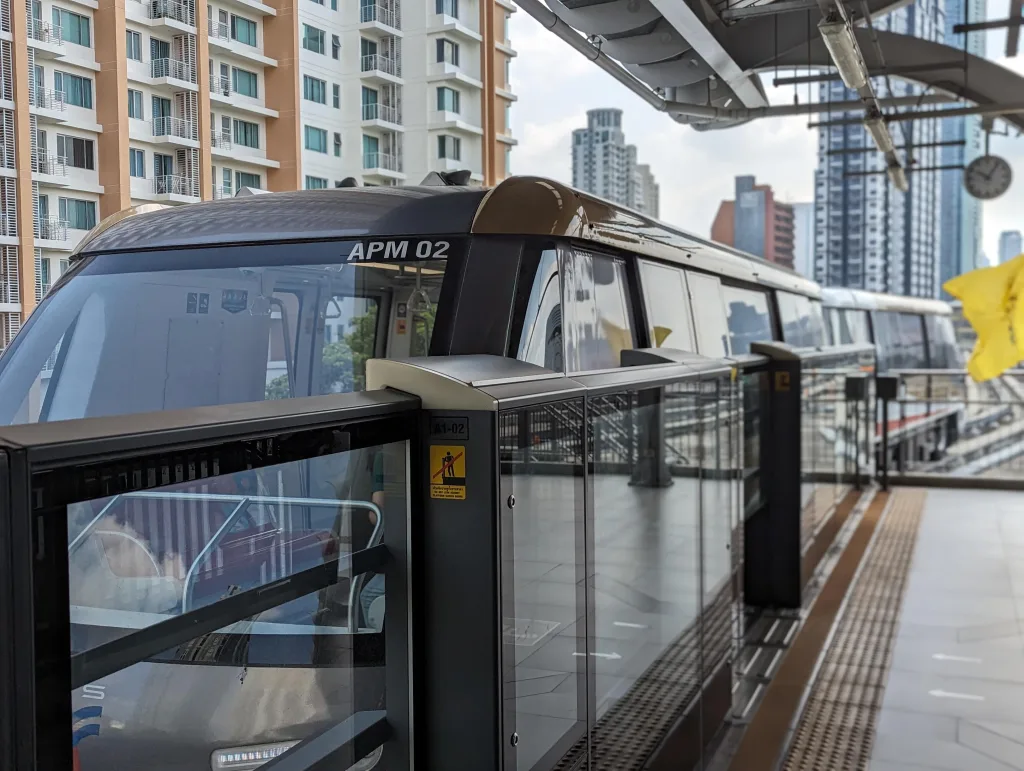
pixel 287 295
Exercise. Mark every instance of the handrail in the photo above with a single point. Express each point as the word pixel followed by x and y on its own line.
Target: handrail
pixel 353 594
pixel 228 522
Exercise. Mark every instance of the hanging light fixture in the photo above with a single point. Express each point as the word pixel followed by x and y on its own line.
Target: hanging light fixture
pixel 842 47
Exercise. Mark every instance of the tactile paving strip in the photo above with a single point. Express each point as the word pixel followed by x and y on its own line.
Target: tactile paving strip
pixel 837 727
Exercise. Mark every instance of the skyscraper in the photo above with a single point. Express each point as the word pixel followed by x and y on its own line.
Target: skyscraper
pixel 756 223
pixel 803 239
pixel 868 234
pixel 603 164
pixel 173 101
pixel 1010 245
pixel 961 212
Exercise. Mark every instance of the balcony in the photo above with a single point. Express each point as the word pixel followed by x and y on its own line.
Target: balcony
pixel 52 229
pixel 380 17
pixel 218 29
pixel 173 69
pixel 53 167
pixel 48 105
pixel 172 129
pixel 220 86
pixel 383 165
pixel 220 193
pixel 176 188
pixel 380 68
pixel 8 225
pixel 381 113
pixel 173 10
pixel 45 38
pixel 450 8
pixel 221 140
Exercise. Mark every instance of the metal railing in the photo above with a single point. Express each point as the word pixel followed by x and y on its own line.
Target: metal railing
pixel 389 17
pixel 172 184
pixel 220 84
pixel 379 63
pixel 173 68
pixel 52 165
pixel 222 192
pixel 170 126
pixel 53 229
pixel 218 29
pixel 48 99
pixel 382 161
pixel 8 225
pixel 45 32
pixel 221 139
pixel 172 9
pixel 386 113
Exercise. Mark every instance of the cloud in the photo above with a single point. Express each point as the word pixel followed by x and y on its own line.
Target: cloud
pixel 696 170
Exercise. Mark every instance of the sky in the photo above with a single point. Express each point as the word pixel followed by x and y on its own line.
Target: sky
pixel 556 86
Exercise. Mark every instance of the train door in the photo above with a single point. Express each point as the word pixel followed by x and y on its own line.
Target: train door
pixel 709 317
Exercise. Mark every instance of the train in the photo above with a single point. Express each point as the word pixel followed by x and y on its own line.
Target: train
pixel 285 295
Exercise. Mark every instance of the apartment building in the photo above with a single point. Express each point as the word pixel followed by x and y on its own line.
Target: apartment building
pixel 603 164
pixel 106 104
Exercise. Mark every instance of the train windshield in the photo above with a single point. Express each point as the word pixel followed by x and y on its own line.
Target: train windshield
pixel 186 328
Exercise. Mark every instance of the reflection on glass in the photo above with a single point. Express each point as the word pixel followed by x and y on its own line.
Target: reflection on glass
pixel 749 321
pixel 256 687
pixel 543 580
pixel 541 343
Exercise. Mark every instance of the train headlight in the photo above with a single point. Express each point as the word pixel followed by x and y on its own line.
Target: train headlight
pixel 247 758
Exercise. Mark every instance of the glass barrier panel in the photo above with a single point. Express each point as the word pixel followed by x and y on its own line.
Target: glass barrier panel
pixel 244 694
pixel 543 582
pixel 645 457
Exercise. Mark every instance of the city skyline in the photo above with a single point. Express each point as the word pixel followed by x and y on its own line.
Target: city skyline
pixel 171 101
pixel 756 222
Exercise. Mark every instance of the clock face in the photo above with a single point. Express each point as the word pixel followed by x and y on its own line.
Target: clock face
pixel 987 177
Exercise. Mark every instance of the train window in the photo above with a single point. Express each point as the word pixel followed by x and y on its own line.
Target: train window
pixel 668 306
pixel 749 320
pixel 541 341
pixel 802 323
pixel 708 314
pixel 597 315
pixel 857 325
pixel 942 348
pixel 887 339
pixel 195 327
pixel 912 335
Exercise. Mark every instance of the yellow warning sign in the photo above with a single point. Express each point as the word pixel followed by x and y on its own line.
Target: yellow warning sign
pixel 781 381
pixel 448 472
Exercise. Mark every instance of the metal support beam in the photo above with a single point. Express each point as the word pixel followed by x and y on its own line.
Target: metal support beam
pixel 907 169
pixel 867 149
pixel 878 73
pixel 772 9
pixel 976 26
pixel 783 110
pixel 954 112
pixel 1013 33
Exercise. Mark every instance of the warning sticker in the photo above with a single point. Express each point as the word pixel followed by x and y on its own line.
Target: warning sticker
pixel 448 472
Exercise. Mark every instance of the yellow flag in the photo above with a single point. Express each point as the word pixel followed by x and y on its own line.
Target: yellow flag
pixel 989 297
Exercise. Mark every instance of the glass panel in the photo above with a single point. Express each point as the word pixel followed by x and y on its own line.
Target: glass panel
pixel 802 322
pixel 749 321
pixel 598 326
pixel 218 332
pixel 709 314
pixel 668 306
pixel 543 581
pixel 541 341
pixel 251 690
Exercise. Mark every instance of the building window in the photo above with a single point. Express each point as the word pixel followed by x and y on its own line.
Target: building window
pixel 73 27
pixel 447 51
pixel 508 161
pixel 246 134
pixel 312 39
pixel 79 214
pixel 137 163
pixel 335 46
pixel 449 147
pixel 508 71
pixel 77 90
pixel 319 2
pixel 245 83
pixel 337 145
pixel 135 104
pixel 78 152
pixel 316 139
pixel 508 117
pixel 245 179
pixel 133 45
pixel 448 8
pixel 336 95
pixel 315 183
pixel 314 89
pixel 243 30
pixel 448 99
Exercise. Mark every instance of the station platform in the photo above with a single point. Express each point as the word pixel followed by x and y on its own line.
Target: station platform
pixel 911 655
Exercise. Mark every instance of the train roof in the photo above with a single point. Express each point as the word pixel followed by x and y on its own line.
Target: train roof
pixel 521 206
pixel 836 297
